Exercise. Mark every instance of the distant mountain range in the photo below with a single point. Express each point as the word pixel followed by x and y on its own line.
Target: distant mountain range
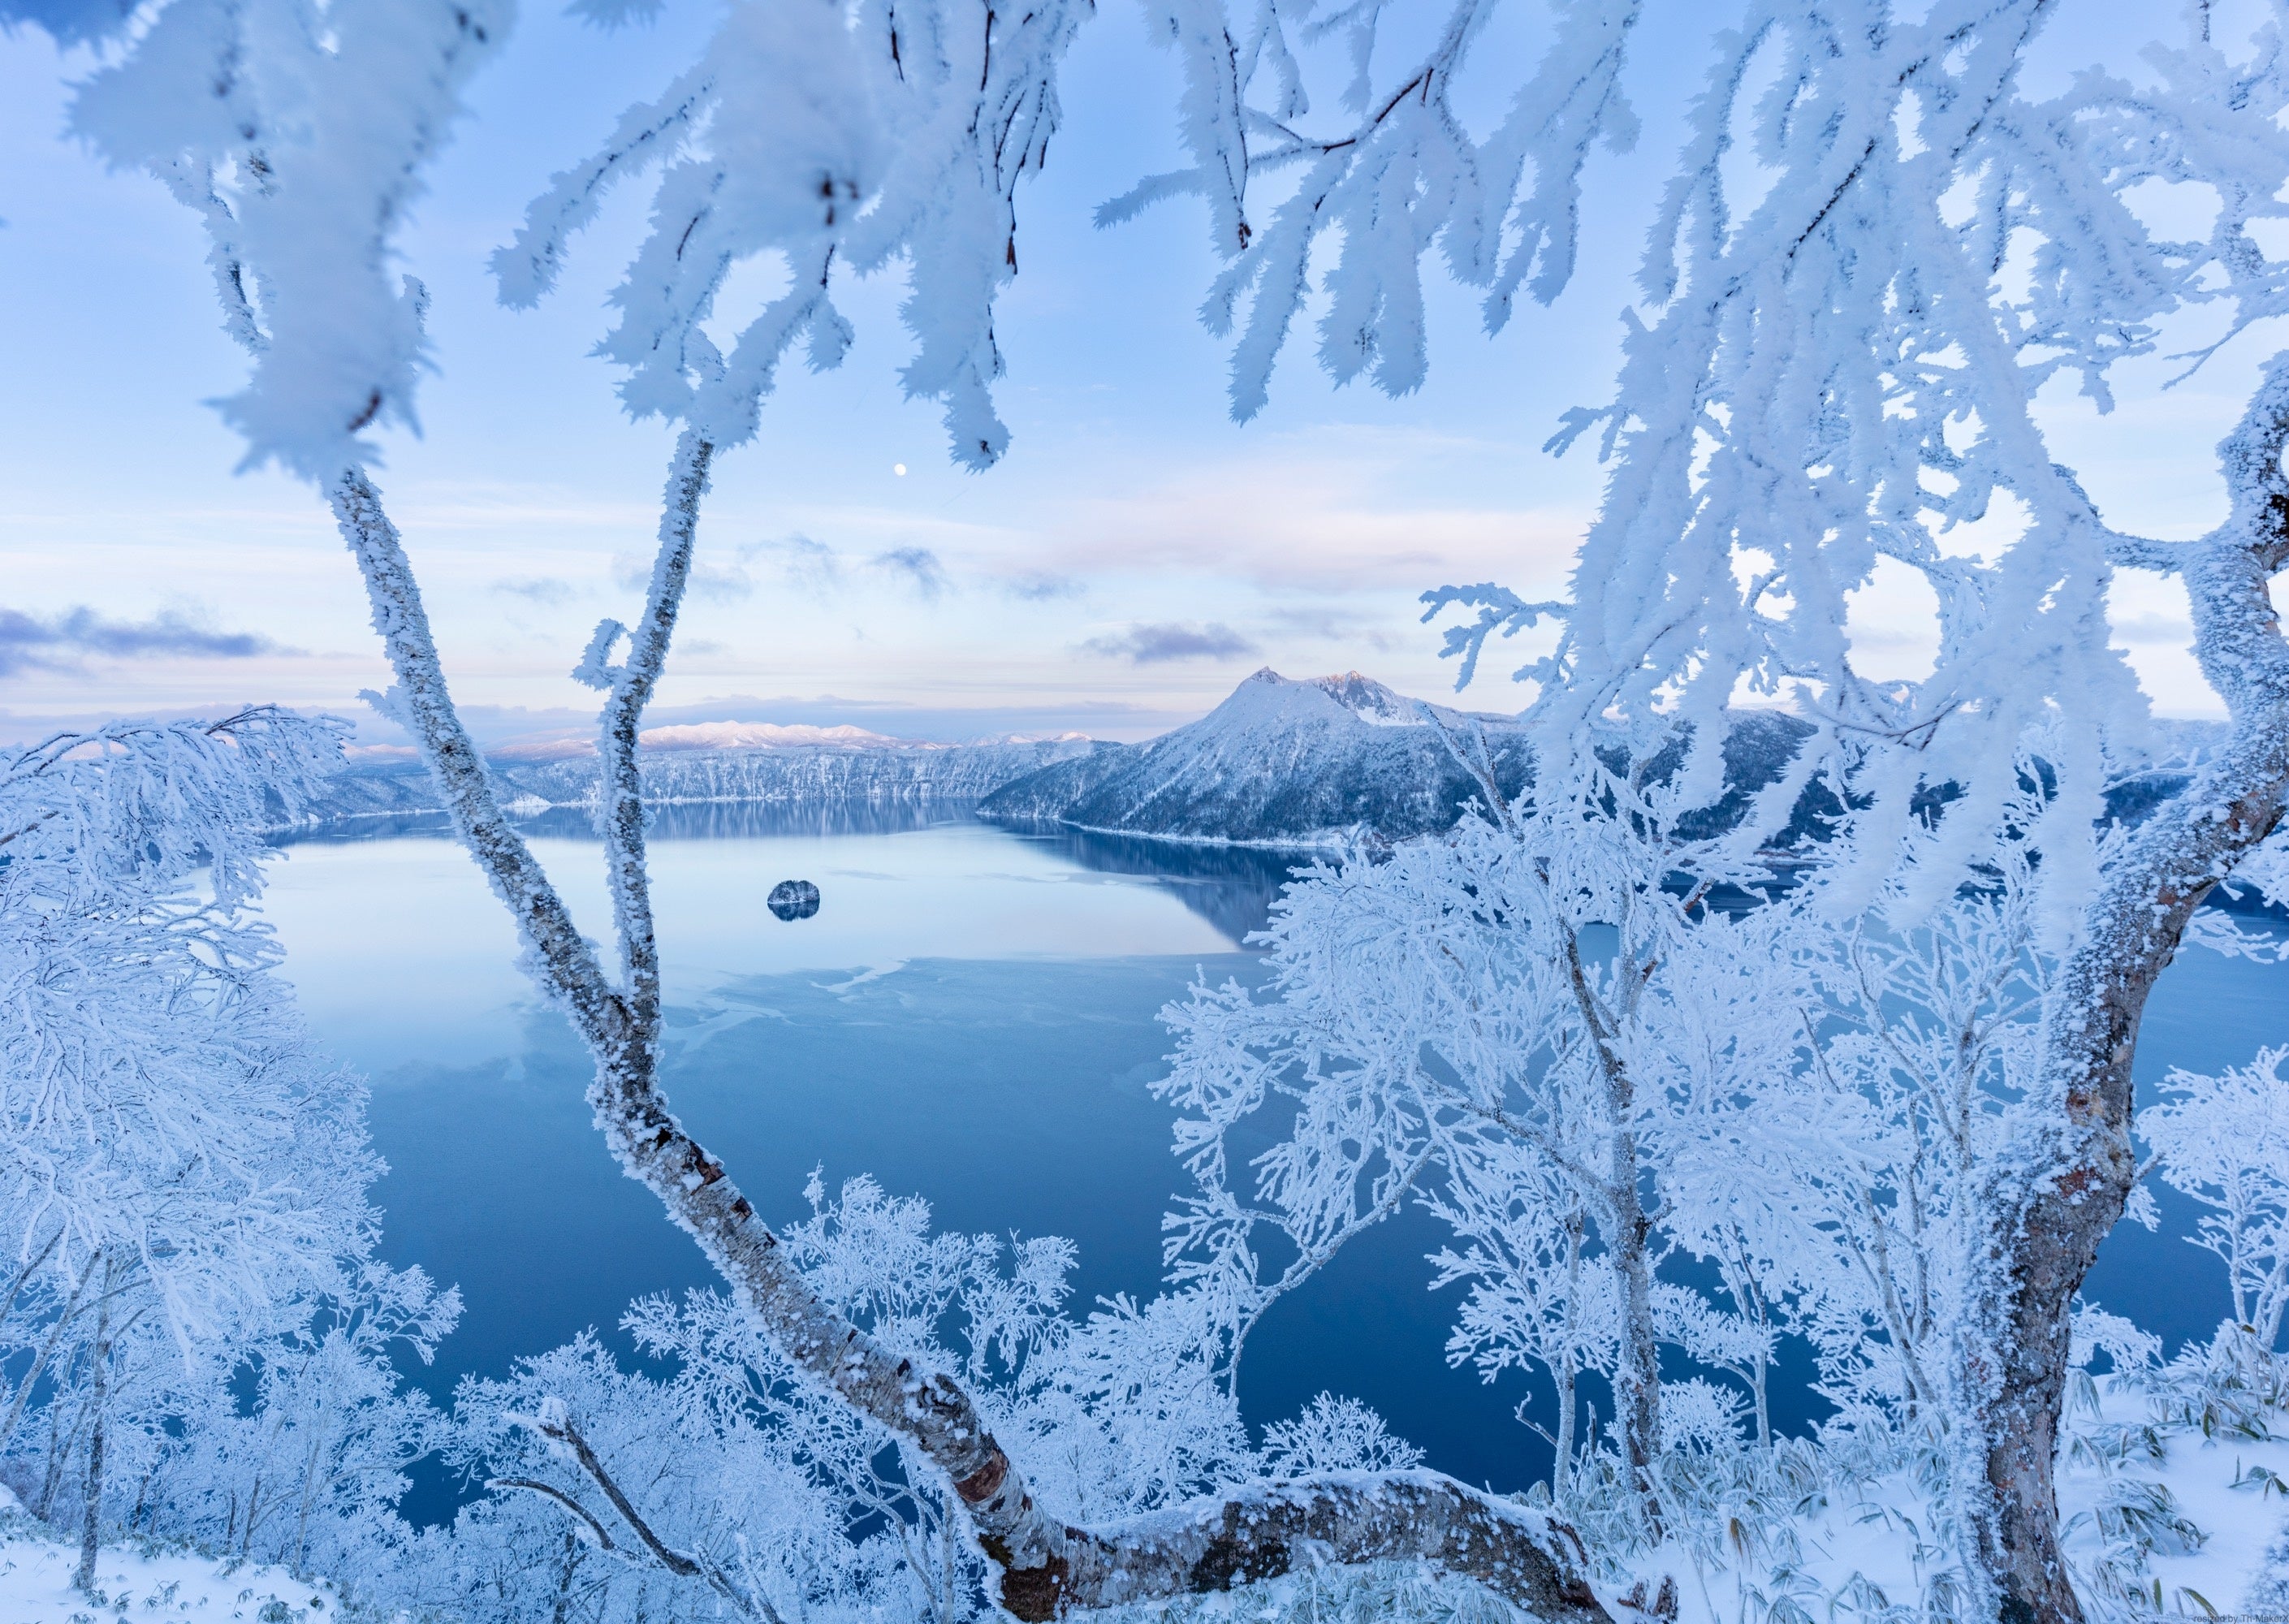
pixel 689 769
pixel 1282 764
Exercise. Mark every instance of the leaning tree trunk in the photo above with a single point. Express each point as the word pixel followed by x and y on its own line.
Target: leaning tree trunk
pixel 1048 1567
pixel 2059 1177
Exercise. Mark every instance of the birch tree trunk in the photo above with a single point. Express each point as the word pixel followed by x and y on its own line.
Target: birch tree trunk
pixel 1048 1568
pixel 1628 1230
pixel 2061 1176
pixel 1566 1368
pixel 1638 1394
pixel 98 1398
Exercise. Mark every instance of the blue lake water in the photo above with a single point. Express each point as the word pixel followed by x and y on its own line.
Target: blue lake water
pixel 971 1017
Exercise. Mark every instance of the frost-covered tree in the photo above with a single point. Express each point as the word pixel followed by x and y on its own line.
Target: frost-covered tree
pixel 1856 358
pixel 719 1476
pixel 2224 1141
pixel 1524 1009
pixel 1816 1100
pixel 183 1174
pixel 308 1471
pixel 1875 251
pixel 174 1159
pixel 1927 1026
pixel 1538 1295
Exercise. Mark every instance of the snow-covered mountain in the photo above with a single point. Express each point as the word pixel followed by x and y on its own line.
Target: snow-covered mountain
pixel 1322 762
pixel 683 769
pixel 1280 762
pixel 759 736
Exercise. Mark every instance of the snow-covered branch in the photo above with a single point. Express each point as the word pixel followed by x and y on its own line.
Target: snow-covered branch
pixel 1525 1557
pixel 1398 175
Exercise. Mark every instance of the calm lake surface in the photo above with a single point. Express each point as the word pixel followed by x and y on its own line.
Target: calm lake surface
pixel 971 1017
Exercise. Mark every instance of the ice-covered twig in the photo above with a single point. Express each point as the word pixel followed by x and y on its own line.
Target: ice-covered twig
pixel 593 1531
pixel 556 1424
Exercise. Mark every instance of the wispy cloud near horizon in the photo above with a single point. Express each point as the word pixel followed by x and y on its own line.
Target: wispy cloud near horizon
pixel 816 570
pixel 1044 586
pixel 27 642
pixel 1151 645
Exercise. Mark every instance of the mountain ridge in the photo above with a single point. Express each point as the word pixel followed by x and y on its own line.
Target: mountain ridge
pixel 835 769
pixel 1315 763
pixel 1302 763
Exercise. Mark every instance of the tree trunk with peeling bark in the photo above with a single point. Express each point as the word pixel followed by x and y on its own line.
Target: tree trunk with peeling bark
pixel 1048 1568
pixel 2060 1179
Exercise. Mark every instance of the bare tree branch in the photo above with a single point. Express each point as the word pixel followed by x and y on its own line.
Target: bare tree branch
pixel 603 1541
pixel 557 1427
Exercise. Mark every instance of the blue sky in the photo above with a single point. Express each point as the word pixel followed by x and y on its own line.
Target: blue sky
pixel 1135 554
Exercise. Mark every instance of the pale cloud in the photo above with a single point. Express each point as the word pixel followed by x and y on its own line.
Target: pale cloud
pixel 1363 514
pixel 546 591
pixel 1339 509
pixel 917 568
pixel 64 641
pixel 1043 586
pixel 809 567
pixel 1151 645
pixel 818 570
pixel 1334 626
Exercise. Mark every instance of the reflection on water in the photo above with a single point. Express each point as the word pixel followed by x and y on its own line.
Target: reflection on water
pixel 702 820
pixel 1233 887
pixel 401 953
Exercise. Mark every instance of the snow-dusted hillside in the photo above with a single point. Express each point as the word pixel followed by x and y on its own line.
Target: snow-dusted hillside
pixel 691 766
pixel 758 736
pixel 1284 763
pixel 142 1581
pixel 811 772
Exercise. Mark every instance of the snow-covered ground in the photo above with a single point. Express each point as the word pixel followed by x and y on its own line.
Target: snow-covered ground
pixel 2193 1524
pixel 140 1583
pixel 2234 1489
pixel 2214 1545
pixel 1861 1550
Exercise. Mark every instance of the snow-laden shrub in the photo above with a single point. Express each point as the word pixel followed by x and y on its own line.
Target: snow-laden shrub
pixel 779 1496
pixel 2224 1141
